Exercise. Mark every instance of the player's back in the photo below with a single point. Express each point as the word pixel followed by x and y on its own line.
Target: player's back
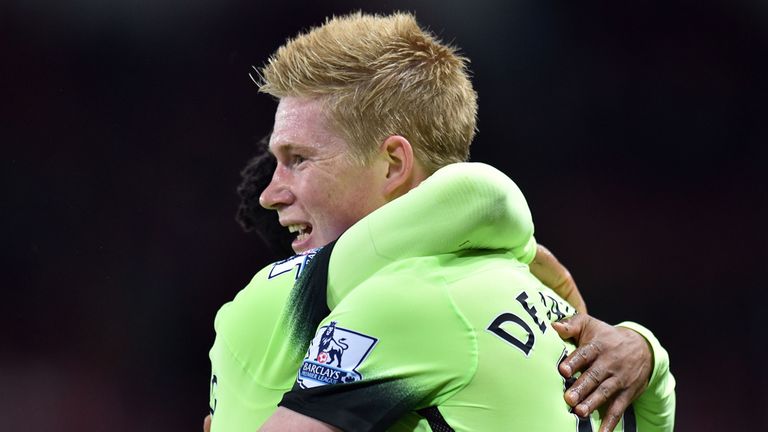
pixel 503 374
pixel 503 368
pixel 516 384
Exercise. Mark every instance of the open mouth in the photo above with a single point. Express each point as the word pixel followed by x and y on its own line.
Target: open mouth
pixel 303 230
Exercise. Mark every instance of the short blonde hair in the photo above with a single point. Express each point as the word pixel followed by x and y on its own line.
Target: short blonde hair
pixel 381 76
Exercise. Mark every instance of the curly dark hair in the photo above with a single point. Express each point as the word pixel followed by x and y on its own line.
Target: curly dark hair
pixel 251 216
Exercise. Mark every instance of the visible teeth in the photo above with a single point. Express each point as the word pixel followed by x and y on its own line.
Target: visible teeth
pixel 300 228
pixel 303 231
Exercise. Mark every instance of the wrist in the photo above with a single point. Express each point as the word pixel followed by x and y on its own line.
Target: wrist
pixel 656 352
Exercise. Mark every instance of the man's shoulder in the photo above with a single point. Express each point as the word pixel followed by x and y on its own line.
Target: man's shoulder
pixel 412 293
pixel 405 278
pixel 425 279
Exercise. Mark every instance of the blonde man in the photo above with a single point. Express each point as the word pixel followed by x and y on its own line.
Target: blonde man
pixel 369 108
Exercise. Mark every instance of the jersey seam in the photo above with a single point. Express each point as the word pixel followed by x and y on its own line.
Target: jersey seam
pixel 473 339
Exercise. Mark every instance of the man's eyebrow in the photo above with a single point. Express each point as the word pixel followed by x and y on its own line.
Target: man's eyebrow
pixel 281 147
pixel 288 147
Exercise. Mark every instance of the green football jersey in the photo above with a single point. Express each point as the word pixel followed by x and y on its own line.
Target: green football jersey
pixel 441 325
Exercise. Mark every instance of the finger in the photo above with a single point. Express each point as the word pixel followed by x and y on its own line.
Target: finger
pixel 615 412
pixel 596 398
pixel 579 359
pixel 563 329
pixel 207 423
pixel 586 383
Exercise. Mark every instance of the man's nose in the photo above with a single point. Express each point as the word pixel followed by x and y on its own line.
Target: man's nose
pixel 277 194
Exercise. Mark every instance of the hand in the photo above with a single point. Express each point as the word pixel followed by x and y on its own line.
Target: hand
pixel 207 423
pixel 615 362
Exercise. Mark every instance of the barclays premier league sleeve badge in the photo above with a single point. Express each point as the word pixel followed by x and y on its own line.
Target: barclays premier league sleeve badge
pixel 334 356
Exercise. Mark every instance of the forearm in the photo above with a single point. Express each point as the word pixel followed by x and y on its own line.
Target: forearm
pixel 553 274
pixel 285 420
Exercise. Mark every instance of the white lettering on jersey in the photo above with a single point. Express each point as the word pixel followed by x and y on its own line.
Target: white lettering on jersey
pixel 298 261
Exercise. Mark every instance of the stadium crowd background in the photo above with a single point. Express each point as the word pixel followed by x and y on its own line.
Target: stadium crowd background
pixel 637 130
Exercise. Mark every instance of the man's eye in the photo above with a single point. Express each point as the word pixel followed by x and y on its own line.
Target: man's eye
pixel 297 159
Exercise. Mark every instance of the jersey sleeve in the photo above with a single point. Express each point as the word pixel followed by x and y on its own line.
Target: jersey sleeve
pixel 655 408
pixel 379 355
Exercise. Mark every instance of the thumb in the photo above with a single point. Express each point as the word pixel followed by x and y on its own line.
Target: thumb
pixel 571 328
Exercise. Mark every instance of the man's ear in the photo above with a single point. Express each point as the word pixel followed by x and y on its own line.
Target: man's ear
pixel 401 166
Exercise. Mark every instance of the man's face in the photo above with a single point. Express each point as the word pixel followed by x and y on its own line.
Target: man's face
pixel 317 190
